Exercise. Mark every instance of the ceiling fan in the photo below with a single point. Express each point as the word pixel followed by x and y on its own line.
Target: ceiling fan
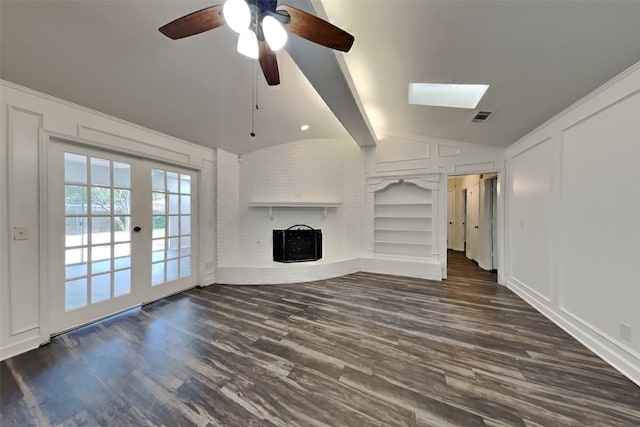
pixel 263 26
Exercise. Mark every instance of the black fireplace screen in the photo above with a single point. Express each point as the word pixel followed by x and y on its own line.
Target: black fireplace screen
pixel 297 245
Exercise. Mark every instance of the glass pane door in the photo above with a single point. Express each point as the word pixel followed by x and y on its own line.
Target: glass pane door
pixel 97 207
pixel 171 244
pixel 120 233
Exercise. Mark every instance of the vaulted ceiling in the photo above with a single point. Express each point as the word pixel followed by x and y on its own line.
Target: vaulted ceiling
pixel 538 56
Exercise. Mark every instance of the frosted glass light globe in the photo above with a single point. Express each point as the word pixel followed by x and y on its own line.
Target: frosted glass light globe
pixel 274 33
pixel 237 15
pixel 248 44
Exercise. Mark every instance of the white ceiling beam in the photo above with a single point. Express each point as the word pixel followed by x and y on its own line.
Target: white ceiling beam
pixel 327 72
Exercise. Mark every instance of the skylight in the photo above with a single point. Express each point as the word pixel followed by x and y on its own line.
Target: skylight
pixel 446 95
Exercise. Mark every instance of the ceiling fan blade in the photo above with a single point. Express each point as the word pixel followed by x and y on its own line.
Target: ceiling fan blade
pixel 194 23
pixel 317 30
pixel 269 64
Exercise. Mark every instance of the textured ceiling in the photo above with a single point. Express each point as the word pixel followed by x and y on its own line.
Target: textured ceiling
pixel 538 56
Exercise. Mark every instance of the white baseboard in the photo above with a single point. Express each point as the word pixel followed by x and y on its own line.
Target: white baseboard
pixel 208 279
pixel 484 266
pixel 419 269
pixel 627 364
pixel 19 347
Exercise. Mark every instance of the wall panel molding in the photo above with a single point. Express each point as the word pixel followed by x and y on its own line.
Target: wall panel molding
pixel 529 289
pixel 445 150
pixel 532 146
pixel 134 146
pixel 600 111
pixel 62 102
pixel 23 210
pixel 19 347
pixel 625 364
pixel 593 329
pixel 470 168
pixel 612 91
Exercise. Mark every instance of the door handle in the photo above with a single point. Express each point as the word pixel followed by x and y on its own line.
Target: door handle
pixel 137 229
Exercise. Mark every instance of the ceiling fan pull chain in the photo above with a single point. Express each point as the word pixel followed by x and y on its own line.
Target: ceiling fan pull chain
pixel 255 69
pixel 254 99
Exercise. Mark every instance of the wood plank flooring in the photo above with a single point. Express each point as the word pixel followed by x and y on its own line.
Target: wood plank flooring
pixel 358 350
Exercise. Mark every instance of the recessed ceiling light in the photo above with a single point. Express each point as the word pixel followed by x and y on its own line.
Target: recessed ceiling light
pixel 446 95
pixel 304 127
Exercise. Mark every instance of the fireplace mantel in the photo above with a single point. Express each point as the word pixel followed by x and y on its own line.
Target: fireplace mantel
pixel 294 204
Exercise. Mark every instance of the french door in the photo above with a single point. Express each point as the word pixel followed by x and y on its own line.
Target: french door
pixel 121 233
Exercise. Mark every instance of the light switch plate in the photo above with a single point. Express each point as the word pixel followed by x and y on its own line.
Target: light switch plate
pixel 20 233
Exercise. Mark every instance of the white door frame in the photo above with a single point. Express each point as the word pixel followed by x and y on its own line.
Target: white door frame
pixel 45 138
pixel 499 220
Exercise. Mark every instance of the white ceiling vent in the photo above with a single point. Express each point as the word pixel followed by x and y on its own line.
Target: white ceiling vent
pixel 482 116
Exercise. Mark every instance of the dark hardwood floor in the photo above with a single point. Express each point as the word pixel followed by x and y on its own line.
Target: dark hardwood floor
pixel 359 350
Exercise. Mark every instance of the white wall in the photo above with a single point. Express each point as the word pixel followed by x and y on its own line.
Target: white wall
pixel 228 207
pixel 27 116
pixel 529 218
pixel 572 220
pixel 302 171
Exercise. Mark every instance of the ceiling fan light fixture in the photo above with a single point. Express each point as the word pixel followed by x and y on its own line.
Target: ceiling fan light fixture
pixel 248 44
pixel 237 15
pixel 274 33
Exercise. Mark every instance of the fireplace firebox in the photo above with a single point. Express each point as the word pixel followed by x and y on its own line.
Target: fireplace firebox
pixel 297 244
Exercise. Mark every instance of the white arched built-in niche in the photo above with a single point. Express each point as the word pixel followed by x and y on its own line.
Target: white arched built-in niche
pixel 403 224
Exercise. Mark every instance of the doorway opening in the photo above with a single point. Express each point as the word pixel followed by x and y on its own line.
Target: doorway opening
pixel 472 219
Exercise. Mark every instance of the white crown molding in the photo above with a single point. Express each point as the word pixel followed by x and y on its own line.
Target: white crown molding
pixel 70 104
pixel 579 103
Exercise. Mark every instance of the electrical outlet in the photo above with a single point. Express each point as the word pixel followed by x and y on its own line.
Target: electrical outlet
pixel 20 233
pixel 625 332
pixel 522 223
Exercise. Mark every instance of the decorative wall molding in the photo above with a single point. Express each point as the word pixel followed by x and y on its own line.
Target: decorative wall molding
pixel 13 201
pixel 591 97
pixel 593 329
pixel 426 181
pixel 575 150
pixel 531 147
pixel 135 146
pixel 19 347
pixel 445 150
pixel 469 168
pixel 529 289
pixel 594 342
pixel 209 278
pixel 87 110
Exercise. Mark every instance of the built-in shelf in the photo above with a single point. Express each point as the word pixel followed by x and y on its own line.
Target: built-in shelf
pixel 395 242
pixel 325 206
pixel 403 215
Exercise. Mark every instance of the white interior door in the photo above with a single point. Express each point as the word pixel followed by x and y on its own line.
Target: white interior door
pixel 120 233
pixel 473 226
pixel 450 219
